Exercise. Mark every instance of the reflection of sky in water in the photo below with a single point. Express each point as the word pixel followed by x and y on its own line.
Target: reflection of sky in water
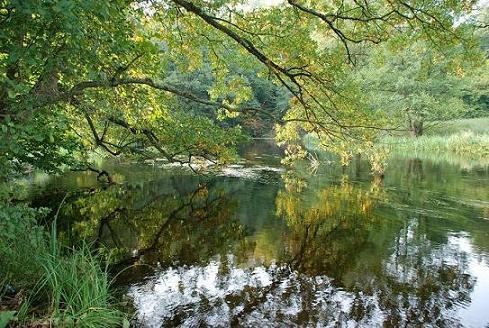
pixel 222 293
pixel 476 314
pixel 213 298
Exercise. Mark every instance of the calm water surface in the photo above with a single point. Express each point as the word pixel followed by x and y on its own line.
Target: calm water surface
pixel 255 244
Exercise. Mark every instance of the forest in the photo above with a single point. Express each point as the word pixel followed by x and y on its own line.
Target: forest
pixel 195 163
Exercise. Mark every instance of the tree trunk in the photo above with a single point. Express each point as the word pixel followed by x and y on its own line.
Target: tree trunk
pixel 416 128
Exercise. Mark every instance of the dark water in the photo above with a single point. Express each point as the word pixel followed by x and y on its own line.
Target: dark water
pixel 258 245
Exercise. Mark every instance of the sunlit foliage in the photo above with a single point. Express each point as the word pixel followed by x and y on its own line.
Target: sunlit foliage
pixel 83 75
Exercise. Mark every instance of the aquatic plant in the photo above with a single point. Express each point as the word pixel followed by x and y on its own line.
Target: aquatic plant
pixel 463 143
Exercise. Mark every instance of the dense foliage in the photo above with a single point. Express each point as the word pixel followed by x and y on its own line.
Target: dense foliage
pixel 83 75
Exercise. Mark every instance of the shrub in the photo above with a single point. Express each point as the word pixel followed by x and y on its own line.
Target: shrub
pixel 22 242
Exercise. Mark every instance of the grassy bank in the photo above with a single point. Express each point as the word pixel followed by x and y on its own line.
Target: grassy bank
pixel 460 143
pixel 468 137
pixel 475 125
pixel 44 284
pixel 463 143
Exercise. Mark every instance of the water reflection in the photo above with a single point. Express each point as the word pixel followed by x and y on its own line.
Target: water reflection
pixel 334 248
pixel 224 293
pixel 157 223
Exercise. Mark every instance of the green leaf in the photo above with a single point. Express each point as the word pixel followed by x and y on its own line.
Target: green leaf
pixel 11 93
pixel 6 317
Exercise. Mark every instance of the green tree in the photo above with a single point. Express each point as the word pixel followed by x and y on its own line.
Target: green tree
pixel 270 98
pixel 82 75
pixel 417 85
pixel 478 98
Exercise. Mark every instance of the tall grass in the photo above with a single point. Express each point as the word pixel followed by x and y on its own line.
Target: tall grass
pixel 78 289
pixel 461 143
pixel 71 287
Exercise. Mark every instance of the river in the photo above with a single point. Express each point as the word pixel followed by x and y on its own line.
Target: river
pixel 257 244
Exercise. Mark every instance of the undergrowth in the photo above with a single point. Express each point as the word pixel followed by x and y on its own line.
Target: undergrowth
pixel 46 284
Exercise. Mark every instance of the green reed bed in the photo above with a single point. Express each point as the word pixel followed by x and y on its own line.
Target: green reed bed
pixel 79 290
pixel 461 143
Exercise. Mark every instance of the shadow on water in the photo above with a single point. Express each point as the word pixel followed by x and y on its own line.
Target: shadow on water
pixel 337 247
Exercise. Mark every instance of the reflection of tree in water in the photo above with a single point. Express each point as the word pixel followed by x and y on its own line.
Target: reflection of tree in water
pixel 223 293
pixel 157 222
pixel 328 227
pixel 333 271
pixel 414 169
pixel 418 283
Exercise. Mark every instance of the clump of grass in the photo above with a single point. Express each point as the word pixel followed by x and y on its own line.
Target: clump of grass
pixel 78 289
pixel 69 288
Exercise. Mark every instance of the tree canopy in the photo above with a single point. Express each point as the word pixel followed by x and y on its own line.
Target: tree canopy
pixel 76 75
pixel 418 85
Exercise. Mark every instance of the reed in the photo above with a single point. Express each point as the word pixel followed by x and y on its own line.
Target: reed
pixel 78 289
pixel 467 143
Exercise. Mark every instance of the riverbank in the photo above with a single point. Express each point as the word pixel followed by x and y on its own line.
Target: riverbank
pixel 467 137
pixel 465 143
pixel 44 284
